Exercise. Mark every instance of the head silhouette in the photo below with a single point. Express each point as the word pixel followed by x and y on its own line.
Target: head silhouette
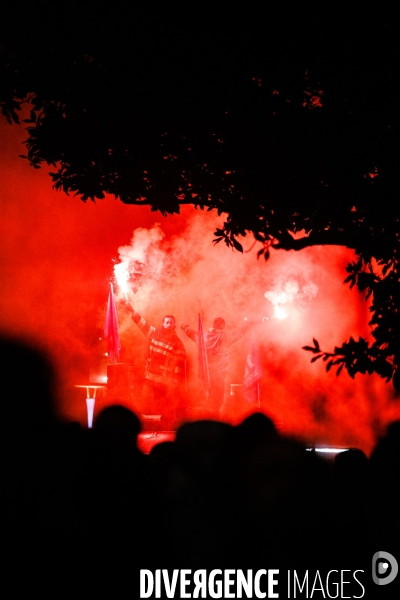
pixel 219 323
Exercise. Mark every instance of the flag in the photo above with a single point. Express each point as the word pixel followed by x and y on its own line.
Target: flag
pixel 203 362
pixel 252 372
pixel 111 328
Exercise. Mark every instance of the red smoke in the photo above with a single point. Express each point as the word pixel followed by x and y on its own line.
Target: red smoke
pixel 58 257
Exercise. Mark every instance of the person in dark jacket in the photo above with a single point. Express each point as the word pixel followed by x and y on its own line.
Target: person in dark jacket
pixel 217 342
pixel 165 366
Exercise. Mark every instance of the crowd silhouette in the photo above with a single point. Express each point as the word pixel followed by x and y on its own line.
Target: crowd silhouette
pixel 218 496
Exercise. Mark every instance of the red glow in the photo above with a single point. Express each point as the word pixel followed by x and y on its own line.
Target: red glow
pixel 374 173
pixel 146 441
pixel 57 262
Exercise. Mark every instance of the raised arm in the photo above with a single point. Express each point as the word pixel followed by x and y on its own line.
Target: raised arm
pixel 191 333
pixel 143 325
pixel 236 334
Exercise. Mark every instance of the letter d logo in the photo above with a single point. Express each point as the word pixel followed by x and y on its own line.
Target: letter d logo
pixel 383 567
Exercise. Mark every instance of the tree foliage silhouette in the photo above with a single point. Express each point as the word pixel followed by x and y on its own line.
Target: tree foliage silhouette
pixel 285 124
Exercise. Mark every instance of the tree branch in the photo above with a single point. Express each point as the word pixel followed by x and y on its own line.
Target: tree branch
pixel 327 238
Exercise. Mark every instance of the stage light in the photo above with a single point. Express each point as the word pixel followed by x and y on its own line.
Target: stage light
pixel 326 450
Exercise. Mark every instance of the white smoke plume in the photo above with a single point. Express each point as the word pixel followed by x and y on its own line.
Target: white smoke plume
pixel 141 259
pixel 291 291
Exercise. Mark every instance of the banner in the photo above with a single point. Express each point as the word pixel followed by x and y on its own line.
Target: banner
pixel 111 328
pixel 203 362
pixel 252 373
